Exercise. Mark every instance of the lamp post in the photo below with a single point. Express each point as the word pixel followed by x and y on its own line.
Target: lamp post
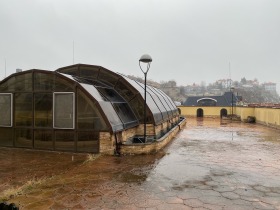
pixel 145 59
pixel 231 90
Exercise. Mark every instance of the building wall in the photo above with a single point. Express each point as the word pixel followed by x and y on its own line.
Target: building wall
pixel 150 130
pixel 265 116
pixel 245 112
pixel 208 111
pixel 106 143
pixel 268 116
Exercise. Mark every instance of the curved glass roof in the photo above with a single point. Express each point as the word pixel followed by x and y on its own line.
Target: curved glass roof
pixel 158 102
pixel 121 98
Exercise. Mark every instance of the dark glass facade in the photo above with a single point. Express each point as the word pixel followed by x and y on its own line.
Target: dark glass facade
pixel 66 110
pixel 45 110
pixel 116 88
pixel 6 110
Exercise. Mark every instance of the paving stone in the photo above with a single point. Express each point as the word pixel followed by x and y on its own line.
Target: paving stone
pixel 238 207
pixel 230 195
pixel 174 200
pixel 224 188
pixel 263 206
pixel 42 204
pixel 215 200
pixel 213 207
pixel 173 206
pixel 249 193
pixel 194 203
pixel 203 168
pixel 275 201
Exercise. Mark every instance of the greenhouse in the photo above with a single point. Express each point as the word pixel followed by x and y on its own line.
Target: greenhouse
pixel 79 108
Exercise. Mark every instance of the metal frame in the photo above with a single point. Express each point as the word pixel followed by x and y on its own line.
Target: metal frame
pixel 11 113
pixel 73 108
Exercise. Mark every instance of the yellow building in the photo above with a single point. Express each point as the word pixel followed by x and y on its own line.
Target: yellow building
pixel 263 115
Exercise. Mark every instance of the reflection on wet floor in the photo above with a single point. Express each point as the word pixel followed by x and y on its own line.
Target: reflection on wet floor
pixel 211 164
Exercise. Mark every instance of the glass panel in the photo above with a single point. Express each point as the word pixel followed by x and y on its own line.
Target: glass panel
pixel 23 138
pixel 8 85
pixel 43 109
pixel 72 70
pixel 136 85
pixel 170 102
pixel 165 115
pixel 5 109
pixel 154 109
pixel 7 136
pixel 125 113
pixel 89 72
pixel 93 91
pixel 43 139
pixel 90 82
pixel 158 118
pixel 23 109
pixel 88 142
pixel 150 102
pixel 88 114
pixel 124 89
pixel 137 105
pixel 111 115
pixel 63 110
pixel 62 84
pixel 23 82
pixel 43 81
pixel 158 103
pixel 163 100
pixel 169 99
pixel 108 77
pixel 65 140
pixel 111 95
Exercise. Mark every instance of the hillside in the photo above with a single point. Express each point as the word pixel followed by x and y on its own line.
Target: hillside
pixel 250 90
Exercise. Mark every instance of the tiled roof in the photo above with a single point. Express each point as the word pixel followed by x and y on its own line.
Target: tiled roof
pixel 224 100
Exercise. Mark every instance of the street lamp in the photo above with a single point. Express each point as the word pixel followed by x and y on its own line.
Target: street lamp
pixel 231 90
pixel 145 59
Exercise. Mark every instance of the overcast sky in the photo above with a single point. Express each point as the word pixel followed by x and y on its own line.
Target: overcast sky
pixel 189 40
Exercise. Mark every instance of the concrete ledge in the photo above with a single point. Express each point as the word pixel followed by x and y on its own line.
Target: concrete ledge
pixel 153 147
pixel 270 125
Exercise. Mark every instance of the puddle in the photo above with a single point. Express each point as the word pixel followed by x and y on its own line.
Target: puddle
pixel 272 139
pixel 128 177
pixel 210 164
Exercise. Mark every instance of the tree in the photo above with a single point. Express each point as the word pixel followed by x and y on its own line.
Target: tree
pixel 172 83
pixel 243 81
pixel 182 90
pixel 235 83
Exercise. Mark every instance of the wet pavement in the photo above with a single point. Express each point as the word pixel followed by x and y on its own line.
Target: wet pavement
pixel 209 165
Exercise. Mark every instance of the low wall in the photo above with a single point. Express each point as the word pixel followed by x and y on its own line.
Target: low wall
pixel 263 115
pixel 245 112
pixel 208 111
pixel 110 143
pixel 268 116
pixel 148 148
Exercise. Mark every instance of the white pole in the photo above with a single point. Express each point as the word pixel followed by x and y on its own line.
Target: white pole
pixel 5 67
pixel 73 51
